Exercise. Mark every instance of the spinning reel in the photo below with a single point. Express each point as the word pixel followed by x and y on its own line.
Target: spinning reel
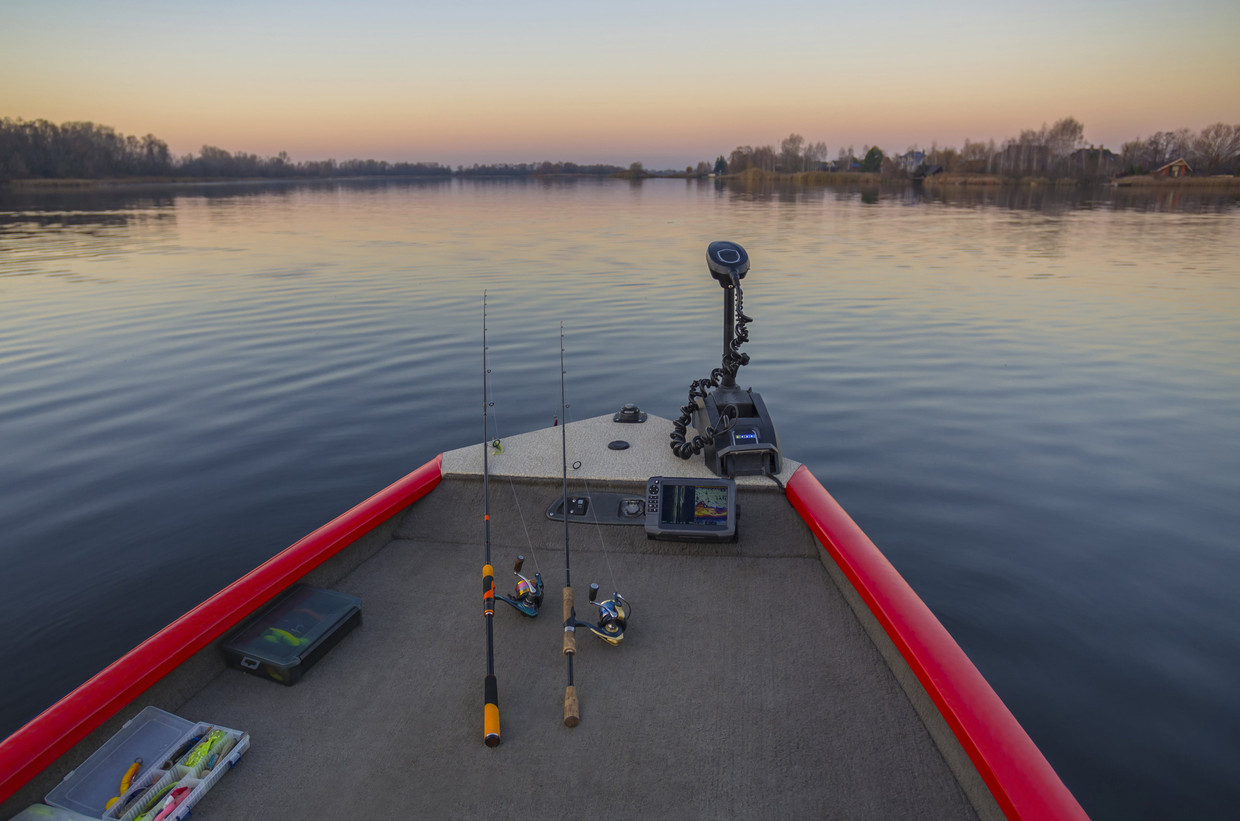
pixel 529 595
pixel 612 619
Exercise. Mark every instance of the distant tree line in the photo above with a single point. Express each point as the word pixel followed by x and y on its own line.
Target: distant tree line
pixel 545 168
pixel 42 149
pixel 1055 151
pixel 32 149
pixel 216 162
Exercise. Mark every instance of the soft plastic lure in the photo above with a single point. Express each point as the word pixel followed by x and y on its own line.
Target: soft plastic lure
pixel 277 636
pixel 174 800
pixel 153 802
pixel 126 780
pixel 199 754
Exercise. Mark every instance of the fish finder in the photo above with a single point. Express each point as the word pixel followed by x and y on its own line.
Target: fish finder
pixel 691 510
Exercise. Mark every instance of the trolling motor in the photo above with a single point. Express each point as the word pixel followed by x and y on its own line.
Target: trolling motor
pixel 613 617
pixel 737 434
pixel 529 594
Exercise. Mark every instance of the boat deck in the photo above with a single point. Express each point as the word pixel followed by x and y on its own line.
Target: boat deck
pixel 747 684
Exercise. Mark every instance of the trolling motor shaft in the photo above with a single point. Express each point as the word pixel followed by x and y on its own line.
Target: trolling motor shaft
pixel 728 263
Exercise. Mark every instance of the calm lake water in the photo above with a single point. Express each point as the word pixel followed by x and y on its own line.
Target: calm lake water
pixel 1029 400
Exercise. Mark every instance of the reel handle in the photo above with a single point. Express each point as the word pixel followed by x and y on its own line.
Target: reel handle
pixel 516 568
pixel 593 593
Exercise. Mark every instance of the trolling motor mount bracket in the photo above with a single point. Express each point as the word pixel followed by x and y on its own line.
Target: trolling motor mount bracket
pixel 750 446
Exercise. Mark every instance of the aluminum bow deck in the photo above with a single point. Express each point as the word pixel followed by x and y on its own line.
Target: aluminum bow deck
pixel 757 678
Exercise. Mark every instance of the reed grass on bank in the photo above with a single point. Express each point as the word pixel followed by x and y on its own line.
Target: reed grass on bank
pixel 1216 183
pixel 754 176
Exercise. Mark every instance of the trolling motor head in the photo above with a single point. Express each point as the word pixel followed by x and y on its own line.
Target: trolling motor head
pixel 735 430
pixel 727 261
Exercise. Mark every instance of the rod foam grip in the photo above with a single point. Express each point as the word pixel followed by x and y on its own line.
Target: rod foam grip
pixel 488 589
pixel 490 713
pixel 572 712
pixel 568 604
pixel 570 642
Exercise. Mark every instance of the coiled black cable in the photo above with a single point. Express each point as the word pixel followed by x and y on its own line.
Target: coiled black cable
pixel 733 360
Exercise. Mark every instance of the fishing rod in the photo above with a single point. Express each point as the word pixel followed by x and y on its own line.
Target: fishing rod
pixel 572 712
pixel 613 612
pixel 490 710
pixel 528 597
pixel 613 615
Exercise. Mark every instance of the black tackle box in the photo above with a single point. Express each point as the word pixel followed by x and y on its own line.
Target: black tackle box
pixel 288 636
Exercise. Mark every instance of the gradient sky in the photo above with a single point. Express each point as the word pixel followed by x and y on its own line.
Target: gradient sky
pixel 666 83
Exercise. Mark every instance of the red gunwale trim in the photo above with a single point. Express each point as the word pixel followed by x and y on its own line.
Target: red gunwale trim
pixel 52 733
pixel 1012 766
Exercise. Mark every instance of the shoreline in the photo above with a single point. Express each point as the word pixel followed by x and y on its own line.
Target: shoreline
pixel 750 176
pixel 87 183
pixel 875 179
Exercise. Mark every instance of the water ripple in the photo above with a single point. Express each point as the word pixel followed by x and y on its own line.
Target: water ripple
pixel 1028 399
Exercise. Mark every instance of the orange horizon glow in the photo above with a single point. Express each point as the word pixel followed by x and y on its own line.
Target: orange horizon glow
pixel 321 81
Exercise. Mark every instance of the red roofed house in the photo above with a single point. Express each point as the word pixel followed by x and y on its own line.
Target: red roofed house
pixel 1179 168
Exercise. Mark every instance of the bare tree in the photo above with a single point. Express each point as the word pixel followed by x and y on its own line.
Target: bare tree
pixel 815 155
pixel 764 158
pixel 1064 137
pixel 790 153
pixel 974 156
pixel 740 159
pixel 1216 147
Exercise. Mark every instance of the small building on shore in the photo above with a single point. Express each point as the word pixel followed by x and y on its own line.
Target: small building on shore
pixel 1177 168
pixel 910 160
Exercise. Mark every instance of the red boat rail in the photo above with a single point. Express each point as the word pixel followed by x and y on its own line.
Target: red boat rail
pixel 1018 775
pixel 49 735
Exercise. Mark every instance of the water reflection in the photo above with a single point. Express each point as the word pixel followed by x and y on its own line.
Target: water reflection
pixel 49 241
pixel 1044 198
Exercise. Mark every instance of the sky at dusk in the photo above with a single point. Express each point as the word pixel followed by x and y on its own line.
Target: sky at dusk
pixel 667 83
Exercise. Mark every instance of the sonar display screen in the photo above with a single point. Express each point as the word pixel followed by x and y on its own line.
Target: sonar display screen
pixel 702 505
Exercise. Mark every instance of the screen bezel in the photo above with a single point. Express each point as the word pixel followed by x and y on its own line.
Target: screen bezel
pixel 657 527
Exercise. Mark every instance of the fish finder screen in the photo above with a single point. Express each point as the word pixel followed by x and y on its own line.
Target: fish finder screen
pixel 701 505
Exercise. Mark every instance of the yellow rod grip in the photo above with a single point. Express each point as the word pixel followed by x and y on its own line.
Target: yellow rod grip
pixel 490 725
pixel 490 713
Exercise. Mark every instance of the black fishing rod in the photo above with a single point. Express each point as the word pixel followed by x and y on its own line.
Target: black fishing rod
pixel 572 712
pixel 490 714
